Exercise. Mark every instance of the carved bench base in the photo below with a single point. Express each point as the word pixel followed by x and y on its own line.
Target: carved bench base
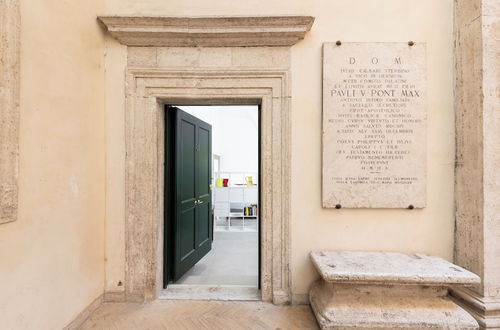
pixel 351 306
pixel 370 290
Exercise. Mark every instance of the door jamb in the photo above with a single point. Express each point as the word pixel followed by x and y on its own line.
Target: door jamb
pixel 167 204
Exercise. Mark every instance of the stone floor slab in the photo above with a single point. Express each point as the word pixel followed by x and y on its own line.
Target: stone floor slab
pixel 200 315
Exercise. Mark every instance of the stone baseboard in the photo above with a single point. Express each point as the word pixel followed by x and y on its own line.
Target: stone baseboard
pixel 114 296
pixel 486 311
pixel 300 299
pixel 84 315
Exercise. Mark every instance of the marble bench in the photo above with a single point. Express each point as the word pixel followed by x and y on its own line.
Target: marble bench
pixel 378 290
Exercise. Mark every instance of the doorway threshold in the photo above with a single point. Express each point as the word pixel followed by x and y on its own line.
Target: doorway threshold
pixel 210 292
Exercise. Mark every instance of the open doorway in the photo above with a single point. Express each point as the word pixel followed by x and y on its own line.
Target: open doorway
pixel 211 232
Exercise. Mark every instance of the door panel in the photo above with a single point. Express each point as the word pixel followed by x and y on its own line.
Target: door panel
pixel 186 157
pixel 186 224
pixel 204 229
pixel 204 176
pixel 204 155
pixel 187 227
pixel 192 205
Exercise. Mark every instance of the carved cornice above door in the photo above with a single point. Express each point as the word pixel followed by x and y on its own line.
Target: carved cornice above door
pixel 218 31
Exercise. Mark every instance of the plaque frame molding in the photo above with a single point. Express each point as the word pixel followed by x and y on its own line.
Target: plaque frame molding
pixel 367 203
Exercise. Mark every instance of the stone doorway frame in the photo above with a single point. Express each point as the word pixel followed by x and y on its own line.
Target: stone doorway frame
pixel 10 76
pixel 147 91
pixel 205 60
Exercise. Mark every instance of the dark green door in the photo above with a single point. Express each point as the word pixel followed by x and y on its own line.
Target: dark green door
pixel 192 193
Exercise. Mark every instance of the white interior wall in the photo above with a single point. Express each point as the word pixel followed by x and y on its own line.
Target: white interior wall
pixel 235 134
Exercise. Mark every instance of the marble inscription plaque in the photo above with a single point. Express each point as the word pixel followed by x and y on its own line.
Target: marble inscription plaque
pixel 374 125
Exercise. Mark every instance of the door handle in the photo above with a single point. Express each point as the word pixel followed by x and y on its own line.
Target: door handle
pixel 200 202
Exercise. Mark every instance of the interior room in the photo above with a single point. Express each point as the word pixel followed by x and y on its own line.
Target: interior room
pixel 233 259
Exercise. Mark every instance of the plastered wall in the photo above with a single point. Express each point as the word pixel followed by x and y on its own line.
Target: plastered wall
pixel 429 230
pixel 52 256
